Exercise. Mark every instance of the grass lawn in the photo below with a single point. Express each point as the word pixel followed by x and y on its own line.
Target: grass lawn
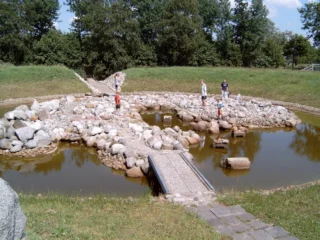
pixel 297 211
pixel 63 217
pixel 33 81
pixel 284 85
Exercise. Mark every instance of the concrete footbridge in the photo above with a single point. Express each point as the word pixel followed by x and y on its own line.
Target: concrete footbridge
pixel 180 180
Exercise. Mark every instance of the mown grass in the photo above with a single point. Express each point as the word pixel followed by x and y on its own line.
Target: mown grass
pixel 34 81
pixel 284 85
pixel 61 217
pixel 296 210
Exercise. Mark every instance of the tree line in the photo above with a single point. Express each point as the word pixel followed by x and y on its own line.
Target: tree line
pixel 111 35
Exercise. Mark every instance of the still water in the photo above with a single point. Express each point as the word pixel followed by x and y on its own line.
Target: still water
pixel 279 157
pixel 74 169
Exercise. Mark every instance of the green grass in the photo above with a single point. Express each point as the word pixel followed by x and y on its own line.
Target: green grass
pixel 297 211
pixel 34 81
pixel 62 217
pixel 284 85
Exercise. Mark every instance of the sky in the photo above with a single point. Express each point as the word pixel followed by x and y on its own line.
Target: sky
pixel 283 13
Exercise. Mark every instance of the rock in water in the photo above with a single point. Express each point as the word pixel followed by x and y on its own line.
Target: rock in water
pixel 134 172
pixel 25 133
pixel 12 219
pixel 237 163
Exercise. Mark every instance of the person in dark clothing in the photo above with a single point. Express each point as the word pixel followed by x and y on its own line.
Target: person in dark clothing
pixel 224 88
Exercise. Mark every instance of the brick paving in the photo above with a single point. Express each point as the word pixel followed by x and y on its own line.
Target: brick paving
pixel 235 222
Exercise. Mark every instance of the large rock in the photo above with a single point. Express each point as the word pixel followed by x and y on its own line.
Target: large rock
pixel 134 172
pixel 214 128
pixel 101 144
pixel 31 144
pixel 10 132
pixel 95 130
pixel 22 108
pixel 130 162
pixel 291 122
pixel 19 124
pixel 16 148
pixel 44 115
pixel 201 126
pixel 25 133
pixel 5 144
pixel 9 115
pixel 191 140
pixel 225 125
pixel 12 219
pixel 117 149
pixel 147 134
pixel 19 114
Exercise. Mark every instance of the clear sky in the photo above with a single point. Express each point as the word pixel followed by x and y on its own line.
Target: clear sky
pixel 283 13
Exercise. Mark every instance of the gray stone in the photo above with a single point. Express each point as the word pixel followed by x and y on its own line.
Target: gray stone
pixel 241 227
pixel 157 145
pixel 12 219
pixel 139 163
pixel 256 225
pixel 9 115
pixel 20 115
pixel 5 144
pixel 19 124
pixel 145 168
pixel 220 210
pixel 30 113
pixel 44 115
pixel 130 162
pixel 25 133
pixel 242 236
pixel 16 142
pixel 94 131
pixel 10 132
pixel 31 144
pixel 43 141
pixel 224 125
pixel 37 125
pixel 261 235
pixel 101 144
pixel 16 148
pixel 117 148
pixel 246 217
pixel 230 220
pixel 225 230
pixel 276 231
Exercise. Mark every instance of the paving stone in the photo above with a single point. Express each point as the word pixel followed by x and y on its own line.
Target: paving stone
pixel 288 238
pixel 239 228
pixel 242 236
pixel 261 235
pixel 220 211
pixel 246 217
pixel 229 220
pixel 225 230
pixel 206 215
pixel 258 225
pixel 276 231
pixel 236 210
pixel 215 222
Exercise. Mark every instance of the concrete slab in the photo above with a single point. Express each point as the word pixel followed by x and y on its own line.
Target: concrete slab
pixel 256 225
pixel 242 236
pixel 276 231
pixel 246 217
pixel 261 235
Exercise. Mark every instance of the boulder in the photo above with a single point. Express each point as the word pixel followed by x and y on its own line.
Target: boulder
pixel 19 114
pixel 237 163
pixel 157 145
pixel 166 146
pixel 183 141
pixel 94 131
pixel 118 149
pixel 5 144
pixel 195 136
pixel 192 141
pixel 291 122
pixel 44 115
pixel 16 148
pixel 9 115
pixel 139 163
pixel 201 126
pixel 225 125
pixel 101 144
pixel 214 128
pixel 12 219
pixel 10 132
pixel 155 130
pixel 145 168
pixel 37 125
pixel 25 133
pixel 134 172
pixel 130 162
pixel 19 124
pixel 31 144
pixel 16 142
pixel 147 134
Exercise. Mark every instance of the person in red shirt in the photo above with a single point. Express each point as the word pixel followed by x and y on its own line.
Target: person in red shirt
pixel 117 100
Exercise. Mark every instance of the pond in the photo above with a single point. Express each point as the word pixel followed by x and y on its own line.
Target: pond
pixel 74 169
pixel 279 157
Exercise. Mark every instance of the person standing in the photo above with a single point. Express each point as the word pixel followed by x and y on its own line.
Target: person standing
pixel 224 88
pixel 203 93
pixel 116 81
pixel 117 100
pixel 220 105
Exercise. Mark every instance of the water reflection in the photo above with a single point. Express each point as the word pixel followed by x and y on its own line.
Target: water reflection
pixel 279 157
pixel 306 141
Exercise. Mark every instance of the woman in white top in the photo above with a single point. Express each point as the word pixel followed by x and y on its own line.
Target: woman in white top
pixel 203 93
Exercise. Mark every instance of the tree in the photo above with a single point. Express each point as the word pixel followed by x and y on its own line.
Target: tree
pixel 180 34
pixel 209 12
pixel 296 47
pixel 40 16
pixel 310 17
pixel 57 48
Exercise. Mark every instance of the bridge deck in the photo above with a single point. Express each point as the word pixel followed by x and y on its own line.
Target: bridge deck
pixel 178 175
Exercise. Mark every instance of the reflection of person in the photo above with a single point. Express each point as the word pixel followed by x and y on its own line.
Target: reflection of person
pixel 220 105
pixel 158 117
pixel 117 100
pixel 116 81
pixel 203 93
pixel 224 88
